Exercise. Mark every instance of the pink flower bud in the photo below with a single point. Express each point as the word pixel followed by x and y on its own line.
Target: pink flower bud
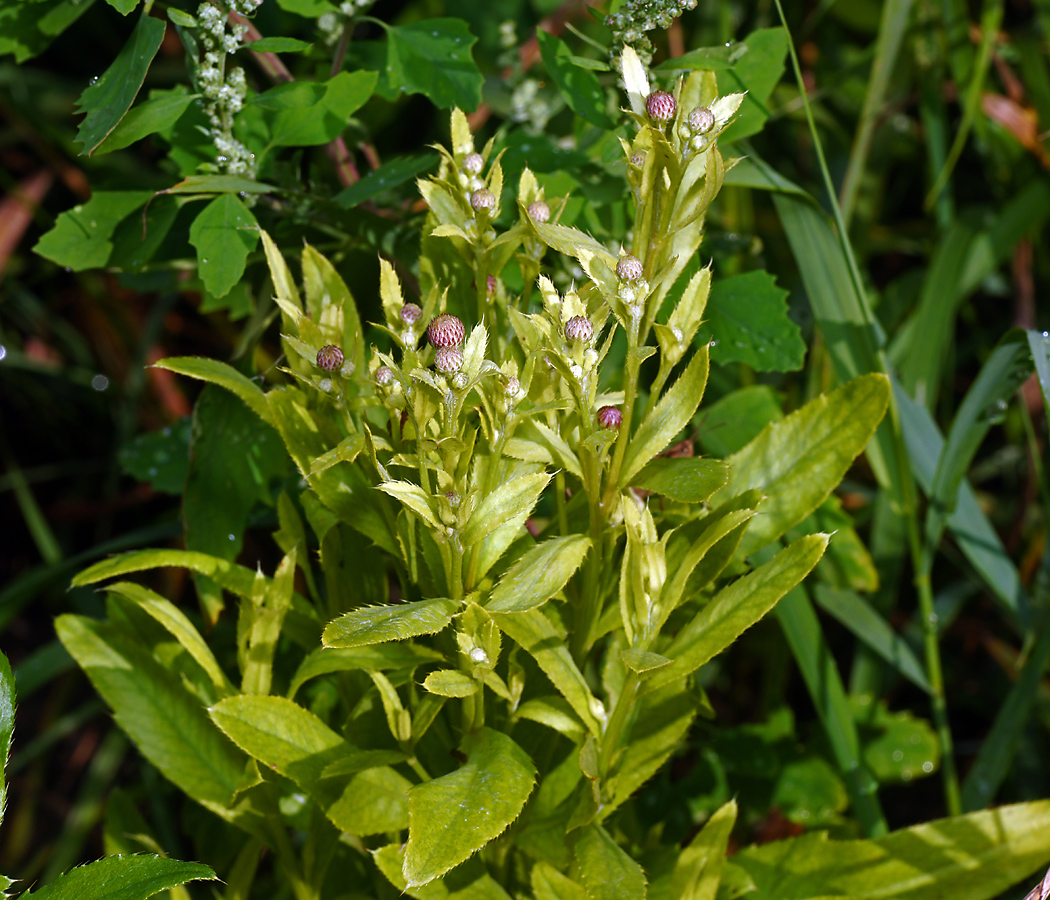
pixel 446 331
pixel 448 360
pixel 610 417
pixel 411 313
pixel 481 199
pixel 660 106
pixel 330 358
pixel 579 328
pixel 473 163
pixel 629 268
pixel 539 212
pixel 701 120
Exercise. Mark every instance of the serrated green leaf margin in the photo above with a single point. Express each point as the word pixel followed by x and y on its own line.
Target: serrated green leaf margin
pixel 110 97
pixel 7 724
pixel 606 870
pixel 685 479
pixel 539 574
pixel 234 578
pixel 799 460
pixel 123 878
pixel 452 816
pixel 376 624
pixel 699 869
pixel 225 376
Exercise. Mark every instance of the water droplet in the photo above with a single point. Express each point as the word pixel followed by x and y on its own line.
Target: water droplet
pixel 898 755
pixel 927 767
pixel 231 537
pixel 3 351
pixel 100 382
pixel 204 262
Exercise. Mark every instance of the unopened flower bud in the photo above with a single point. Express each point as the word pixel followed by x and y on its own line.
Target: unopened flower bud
pixel 411 313
pixel 511 386
pixel 701 120
pixel 481 199
pixel 448 360
pixel 660 106
pixel 629 268
pixel 473 163
pixel 453 498
pixel 637 160
pixel 539 212
pixel 446 331
pixel 610 417
pixel 579 328
pixel 384 375
pixel 330 358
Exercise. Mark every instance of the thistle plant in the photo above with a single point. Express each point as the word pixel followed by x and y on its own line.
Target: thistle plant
pixel 497 586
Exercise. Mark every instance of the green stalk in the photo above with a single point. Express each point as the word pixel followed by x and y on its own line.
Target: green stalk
pixel 614 729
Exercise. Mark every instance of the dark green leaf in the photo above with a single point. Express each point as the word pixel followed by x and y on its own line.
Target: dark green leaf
pixel 432 57
pixel 81 236
pixel 225 376
pixel 578 86
pixel 756 72
pixel 279 45
pixel 735 420
pixel 27 29
pixel 378 658
pixel 109 98
pixel 387 176
pixel 159 113
pixel 219 184
pixel 685 479
pixel 747 317
pixel 309 113
pixel 160 457
pixel 123 878
pixel 224 233
pixel 707 59
pixel 123 6
pixel 311 9
pixel 1039 344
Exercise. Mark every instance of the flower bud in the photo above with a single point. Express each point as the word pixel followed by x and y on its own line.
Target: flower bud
pixel 637 160
pixel 473 163
pixel 481 199
pixel 610 417
pixel 579 328
pixel 448 360
pixel 384 375
pixel 446 331
pixel 660 106
pixel 539 212
pixel 411 313
pixel 701 120
pixel 629 268
pixel 329 358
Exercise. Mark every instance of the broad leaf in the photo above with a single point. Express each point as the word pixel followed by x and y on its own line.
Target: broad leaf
pixel 224 233
pixel 799 460
pixel 376 624
pixel 27 29
pixel 606 870
pixel 756 72
pixel 81 238
pixel 160 457
pixel 225 376
pixel 549 884
pixel 685 479
pixel 309 113
pixel 698 871
pixel 387 176
pixel 123 878
pixel 580 87
pixel 469 881
pixel 539 574
pixel 450 683
pixel 107 100
pixel 432 57
pixel 506 503
pixel 453 816
pixel 159 113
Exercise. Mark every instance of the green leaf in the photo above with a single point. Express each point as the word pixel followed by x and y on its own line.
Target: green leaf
pixel 387 176
pixel 279 45
pixel 311 9
pixel 27 29
pixel 747 316
pixel 432 57
pixel 225 376
pixel 737 607
pixel 452 816
pixel 469 881
pixel 699 868
pixel 860 617
pixel 310 113
pixel 81 236
pixel 798 461
pixel 123 878
pixel 549 884
pixel 606 870
pixel 415 499
pixel 219 184
pixel 165 721
pixel 109 98
pixel 897 746
pixel 579 87
pixel 756 72
pixel 7 724
pixel 160 457
pixel 971 857
pixel 450 683
pixel 511 501
pixel 295 742
pixel 671 414
pixel 224 233
pixel 159 113
pixel 123 6
pixel 539 574
pixel 1039 344
pixel 401 655
pixel 376 624
pixel 230 576
pixel 683 479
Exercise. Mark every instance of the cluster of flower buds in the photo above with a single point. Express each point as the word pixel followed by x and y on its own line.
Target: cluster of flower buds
pixel 446 333
pixel 636 17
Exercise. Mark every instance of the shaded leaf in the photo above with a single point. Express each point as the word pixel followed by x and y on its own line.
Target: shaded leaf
pixel 81 236
pixel 387 176
pixel 159 113
pixel 698 871
pixel 161 458
pixel 580 87
pixel 606 870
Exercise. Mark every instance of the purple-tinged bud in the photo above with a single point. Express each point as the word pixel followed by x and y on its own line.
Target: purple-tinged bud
pixel 637 160
pixel 481 199
pixel 660 106
pixel 579 328
pixel 701 120
pixel 448 360
pixel 411 313
pixel 330 358
pixel 446 331
pixel 610 417
pixel 473 163
pixel 453 498
pixel 384 375
pixel 539 212
pixel 629 268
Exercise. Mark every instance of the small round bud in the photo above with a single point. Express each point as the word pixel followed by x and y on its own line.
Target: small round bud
pixel 629 268
pixel 610 417
pixel 473 163
pixel 446 331
pixel 384 375
pixel 330 358
pixel 453 498
pixel 325 384
pixel 411 313
pixel 511 386
pixel 539 212
pixel 490 283
pixel 701 120
pixel 448 360
pixel 660 106
pixel 481 199
pixel 637 160
pixel 579 328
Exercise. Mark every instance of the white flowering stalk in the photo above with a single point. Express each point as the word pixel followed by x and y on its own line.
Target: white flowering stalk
pixel 636 17
pixel 224 91
pixel 333 24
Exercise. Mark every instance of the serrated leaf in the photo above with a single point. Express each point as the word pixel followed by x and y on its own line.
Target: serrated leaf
pixel 81 238
pixel 224 233
pixel 7 724
pixel 539 574
pixel 159 113
pixel 378 658
pixel 225 376
pixel 698 871
pixel 685 479
pixel 376 624
pixel 123 878
pixel 580 87
pixel 433 57
pixel 415 499
pixel 450 683
pixel 748 317
pixel 230 576
pixel 279 45
pixel 799 460
pixel 469 881
pixel 109 98
pixel 549 884
pixel 504 504
pixel 453 816
pixel 606 870
pixel 642 660
pixel 737 607
pixel 671 414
